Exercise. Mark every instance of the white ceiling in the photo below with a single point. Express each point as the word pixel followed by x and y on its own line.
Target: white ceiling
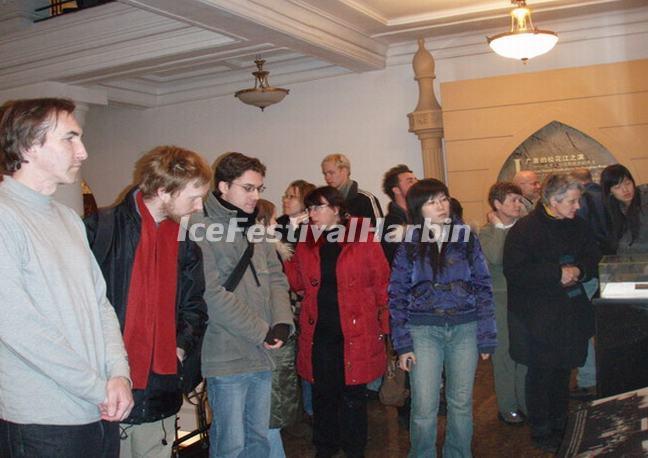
pixel 148 53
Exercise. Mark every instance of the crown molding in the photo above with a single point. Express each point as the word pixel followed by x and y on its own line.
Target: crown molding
pixel 89 42
pixel 284 23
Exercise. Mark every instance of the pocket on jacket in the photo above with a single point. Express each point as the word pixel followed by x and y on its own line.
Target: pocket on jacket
pixel 221 346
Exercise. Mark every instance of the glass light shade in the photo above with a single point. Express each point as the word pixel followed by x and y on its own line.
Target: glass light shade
pixel 262 97
pixel 262 94
pixel 523 41
pixel 523 45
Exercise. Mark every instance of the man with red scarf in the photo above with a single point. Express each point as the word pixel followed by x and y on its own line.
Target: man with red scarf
pixel 155 283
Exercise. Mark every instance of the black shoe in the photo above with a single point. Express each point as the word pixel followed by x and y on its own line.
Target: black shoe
pixel 583 394
pixel 512 418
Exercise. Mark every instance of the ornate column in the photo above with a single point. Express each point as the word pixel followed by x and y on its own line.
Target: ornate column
pixel 426 120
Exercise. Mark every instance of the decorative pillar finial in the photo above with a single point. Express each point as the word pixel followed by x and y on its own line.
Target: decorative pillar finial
pixel 426 120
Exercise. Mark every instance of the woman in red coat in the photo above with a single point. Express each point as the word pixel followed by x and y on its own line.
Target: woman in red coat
pixel 343 320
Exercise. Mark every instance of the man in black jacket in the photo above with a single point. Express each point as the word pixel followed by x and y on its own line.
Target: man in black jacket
pixel 396 183
pixel 155 282
pixel 336 169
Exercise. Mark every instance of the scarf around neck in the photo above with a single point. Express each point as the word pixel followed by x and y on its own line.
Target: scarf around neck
pixel 244 220
pixel 150 329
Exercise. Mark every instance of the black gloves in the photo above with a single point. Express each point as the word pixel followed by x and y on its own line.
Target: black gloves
pixel 280 331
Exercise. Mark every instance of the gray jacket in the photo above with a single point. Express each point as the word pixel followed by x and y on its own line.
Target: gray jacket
pixel 239 320
pixel 492 241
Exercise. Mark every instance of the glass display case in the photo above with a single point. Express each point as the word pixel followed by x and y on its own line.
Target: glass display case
pixel 624 277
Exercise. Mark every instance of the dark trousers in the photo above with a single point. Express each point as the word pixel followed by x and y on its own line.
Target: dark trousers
pixel 547 397
pixel 339 410
pixel 94 440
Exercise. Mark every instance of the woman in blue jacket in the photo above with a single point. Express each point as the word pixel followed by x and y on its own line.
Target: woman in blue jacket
pixel 442 315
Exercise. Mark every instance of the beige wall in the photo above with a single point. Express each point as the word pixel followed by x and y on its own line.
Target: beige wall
pixel 486 119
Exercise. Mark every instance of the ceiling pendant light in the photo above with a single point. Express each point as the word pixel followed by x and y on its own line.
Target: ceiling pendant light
pixel 262 94
pixel 524 41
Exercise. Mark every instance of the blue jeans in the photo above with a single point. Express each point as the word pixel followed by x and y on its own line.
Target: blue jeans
pixel 240 415
pixel 307 396
pixel 374 385
pixel 94 440
pixel 436 347
pixel 276 443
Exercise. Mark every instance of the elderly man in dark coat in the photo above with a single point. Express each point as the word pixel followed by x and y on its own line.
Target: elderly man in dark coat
pixel 547 257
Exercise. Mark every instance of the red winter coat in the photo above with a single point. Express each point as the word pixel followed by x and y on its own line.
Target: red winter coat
pixel 362 276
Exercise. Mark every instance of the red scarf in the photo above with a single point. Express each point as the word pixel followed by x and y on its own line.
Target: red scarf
pixel 150 330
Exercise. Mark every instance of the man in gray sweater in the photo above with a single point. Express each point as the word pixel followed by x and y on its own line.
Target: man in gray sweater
pixel 63 367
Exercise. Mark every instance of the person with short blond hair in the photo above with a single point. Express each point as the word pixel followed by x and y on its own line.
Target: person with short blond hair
pixel 64 366
pixel 336 169
pixel 156 283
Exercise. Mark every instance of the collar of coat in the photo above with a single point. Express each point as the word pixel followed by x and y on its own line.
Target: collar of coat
pixel 397 212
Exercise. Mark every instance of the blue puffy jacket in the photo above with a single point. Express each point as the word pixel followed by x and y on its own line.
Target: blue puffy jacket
pixel 459 293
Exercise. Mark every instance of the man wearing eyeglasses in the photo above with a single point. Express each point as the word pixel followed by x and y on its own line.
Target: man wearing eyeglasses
pixel 249 313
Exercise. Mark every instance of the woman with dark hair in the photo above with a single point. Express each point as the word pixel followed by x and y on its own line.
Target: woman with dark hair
pixel 342 323
pixel 442 316
pixel 294 210
pixel 627 205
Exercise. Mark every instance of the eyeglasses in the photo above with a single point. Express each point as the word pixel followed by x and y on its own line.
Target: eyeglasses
pixel 250 188
pixel 316 208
